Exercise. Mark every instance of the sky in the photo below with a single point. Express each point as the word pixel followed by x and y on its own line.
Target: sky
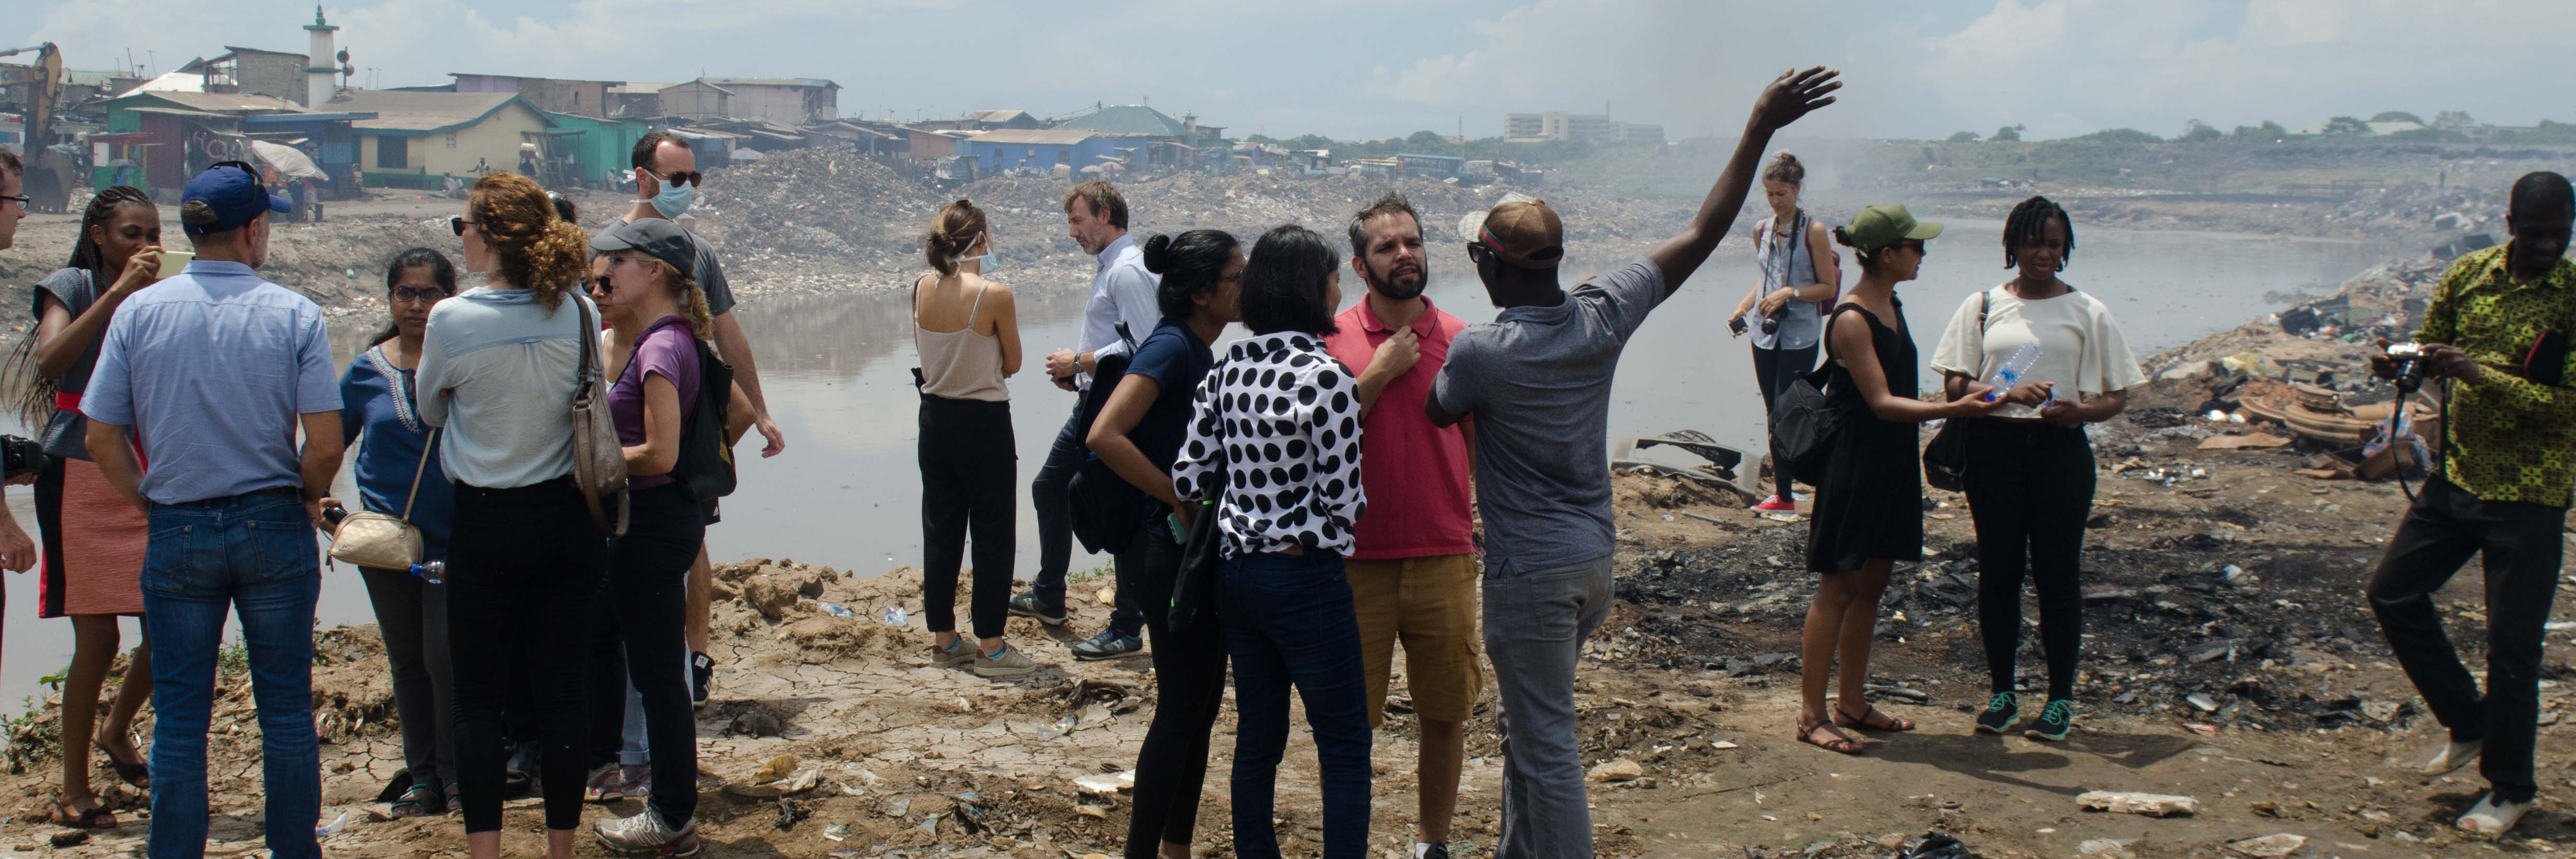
pixel 1354 69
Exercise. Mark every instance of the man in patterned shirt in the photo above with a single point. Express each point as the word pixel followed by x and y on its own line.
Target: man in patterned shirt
pixel 2496 331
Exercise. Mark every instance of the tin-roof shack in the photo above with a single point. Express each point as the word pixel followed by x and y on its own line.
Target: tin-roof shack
pixel 419 137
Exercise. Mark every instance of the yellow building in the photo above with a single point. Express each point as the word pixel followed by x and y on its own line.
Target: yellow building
pixel 419 138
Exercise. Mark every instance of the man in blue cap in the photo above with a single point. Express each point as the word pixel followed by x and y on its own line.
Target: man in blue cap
pixel 218 369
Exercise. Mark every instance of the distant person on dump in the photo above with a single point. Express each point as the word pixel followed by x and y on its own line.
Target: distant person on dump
pixel 1801 275
pixel 1095 215
pixel 232 504
pixel 1537 381
pixel 2495 334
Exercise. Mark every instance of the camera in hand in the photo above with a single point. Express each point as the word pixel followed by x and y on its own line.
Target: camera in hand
pixel 1771 323
pixel 21 456
pixel 2410 365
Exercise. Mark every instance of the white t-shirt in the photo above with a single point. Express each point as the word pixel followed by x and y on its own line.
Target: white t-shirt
pixel 2080 345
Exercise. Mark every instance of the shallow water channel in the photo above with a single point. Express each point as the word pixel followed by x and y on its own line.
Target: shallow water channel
pixel 837 374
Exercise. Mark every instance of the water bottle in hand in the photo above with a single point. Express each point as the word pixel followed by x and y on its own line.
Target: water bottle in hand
pixel 434 572
pixel 2011 372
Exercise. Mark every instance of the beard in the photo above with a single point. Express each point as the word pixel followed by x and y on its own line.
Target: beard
pixel 1397 290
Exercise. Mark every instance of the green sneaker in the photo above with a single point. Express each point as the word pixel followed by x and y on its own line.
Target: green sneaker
pixel 2054 721
pixel 1999 713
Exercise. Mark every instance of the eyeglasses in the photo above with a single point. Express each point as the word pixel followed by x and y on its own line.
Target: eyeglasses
pixel 21 201
pixel 683 177
pixel 425 295
pixel 457 225
pixel 1479 252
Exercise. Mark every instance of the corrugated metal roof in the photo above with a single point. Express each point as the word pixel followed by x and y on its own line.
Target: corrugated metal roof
pixel 223 102
pixel 423 112
pixel 1041 136
pixel 796 82
pixel 1128 119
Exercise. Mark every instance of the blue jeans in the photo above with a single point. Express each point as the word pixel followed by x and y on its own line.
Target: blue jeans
pixel 1535 624
pixel 254 553
pixel 1289 620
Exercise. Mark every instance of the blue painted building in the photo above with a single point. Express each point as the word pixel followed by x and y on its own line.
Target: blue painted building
pixel 1041 149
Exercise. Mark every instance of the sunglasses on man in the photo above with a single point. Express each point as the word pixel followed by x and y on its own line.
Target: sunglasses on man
pixel 684 177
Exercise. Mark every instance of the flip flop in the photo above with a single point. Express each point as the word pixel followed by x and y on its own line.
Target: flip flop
pixel 96 818
pixel 1841 745
pixel 138 774
pixel 1885 722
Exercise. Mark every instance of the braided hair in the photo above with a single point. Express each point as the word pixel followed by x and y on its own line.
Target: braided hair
pixel 30 394
pixel 2028 222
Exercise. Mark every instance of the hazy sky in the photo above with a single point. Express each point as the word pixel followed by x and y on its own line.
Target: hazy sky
pixel 1375 68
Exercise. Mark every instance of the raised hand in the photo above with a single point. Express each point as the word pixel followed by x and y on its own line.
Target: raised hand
pixel 1793 95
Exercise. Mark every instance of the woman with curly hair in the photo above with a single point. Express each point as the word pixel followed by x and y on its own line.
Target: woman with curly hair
pixel 497 370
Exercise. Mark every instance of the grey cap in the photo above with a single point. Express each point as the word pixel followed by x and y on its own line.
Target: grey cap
pixel 658 237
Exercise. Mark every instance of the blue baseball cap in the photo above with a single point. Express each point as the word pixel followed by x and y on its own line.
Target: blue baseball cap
pixel 235 195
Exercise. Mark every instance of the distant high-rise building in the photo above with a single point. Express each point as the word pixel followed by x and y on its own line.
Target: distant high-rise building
pixel 1559 125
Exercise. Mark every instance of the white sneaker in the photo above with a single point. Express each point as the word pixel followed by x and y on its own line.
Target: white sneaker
pixel 2451 756
pixel 2492 817
pixel 646 835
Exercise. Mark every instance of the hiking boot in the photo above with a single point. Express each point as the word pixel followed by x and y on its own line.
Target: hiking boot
pixel 958 654
pixel 646 834
pixel 605 784
pixel 2053 722
pixel 1999 713
pixel 1006 662
pixel 2450 756
pixel 2493 817
pixel 1029 604
pixel 1777 504
pixel 1107 645
pixel 702 678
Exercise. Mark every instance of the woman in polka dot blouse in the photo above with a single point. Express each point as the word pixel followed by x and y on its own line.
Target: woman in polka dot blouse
pixel 1276 442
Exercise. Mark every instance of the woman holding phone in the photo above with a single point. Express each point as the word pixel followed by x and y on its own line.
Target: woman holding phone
pixel 1800 273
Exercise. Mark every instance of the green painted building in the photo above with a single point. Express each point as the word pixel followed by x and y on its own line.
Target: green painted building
pixel 598 147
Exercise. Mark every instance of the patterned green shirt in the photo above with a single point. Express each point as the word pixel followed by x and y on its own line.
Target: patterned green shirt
pixel 2509 438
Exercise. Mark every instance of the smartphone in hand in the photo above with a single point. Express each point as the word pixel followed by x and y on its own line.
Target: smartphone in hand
pixel 173 262
pixel 1736 325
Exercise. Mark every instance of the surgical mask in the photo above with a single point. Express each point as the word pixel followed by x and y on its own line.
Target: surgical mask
pixel 674 199
pixel 984 262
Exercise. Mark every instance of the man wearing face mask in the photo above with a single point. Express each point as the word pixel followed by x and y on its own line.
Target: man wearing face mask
pixel 1413 568
pixel 666 183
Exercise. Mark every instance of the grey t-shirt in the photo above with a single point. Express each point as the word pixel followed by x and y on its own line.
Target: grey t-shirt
pixel 1537 380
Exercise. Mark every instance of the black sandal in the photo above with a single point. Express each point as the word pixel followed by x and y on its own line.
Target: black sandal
pixel 95 818
pixel 1884 721
pixel 138 774
pixel 1841 744
pixel 418 801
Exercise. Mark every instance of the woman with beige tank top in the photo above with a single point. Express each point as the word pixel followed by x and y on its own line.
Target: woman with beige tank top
pixel 967 332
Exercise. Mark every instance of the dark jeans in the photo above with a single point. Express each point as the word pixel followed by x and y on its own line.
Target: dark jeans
pixel 1189 688
pixel 1775 371
pixel 969 472
pixel 637 624
pixel 253 554
pixel 1052 492
pixel 2521 546
pixel 412 616
pixel 1289 621
pixel 2030 488
pixel 522 568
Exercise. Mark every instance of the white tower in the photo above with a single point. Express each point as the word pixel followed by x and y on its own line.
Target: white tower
pixel 320 66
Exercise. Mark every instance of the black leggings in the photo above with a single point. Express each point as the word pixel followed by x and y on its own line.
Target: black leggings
pixel 638 621
pixel 2030 488
pixel 522 567
pixel 969 476
pixel 1189 687
pixel 1775 370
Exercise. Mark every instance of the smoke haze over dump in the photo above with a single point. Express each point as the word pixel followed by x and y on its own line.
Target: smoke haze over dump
pixel 1386 68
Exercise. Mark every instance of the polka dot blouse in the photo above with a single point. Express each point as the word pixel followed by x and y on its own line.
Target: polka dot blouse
pixel 1278 429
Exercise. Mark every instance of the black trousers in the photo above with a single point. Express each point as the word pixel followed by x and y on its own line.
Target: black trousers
pixel 522 567
pixel 2522 547
pixel 1775 370
pixel 2030 488
pixel 638 622
pixel 1189 688
pixel 969 472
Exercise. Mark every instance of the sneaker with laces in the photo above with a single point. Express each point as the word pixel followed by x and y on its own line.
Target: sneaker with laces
pixel 646 834
pixel 1029 604
pixel 2449 755
pixel 1107 645
pixel 958 654
pixel 1999 714
pixel 702 678
pixel 2494 817
pixel 2054 721
pixel 1777 504
pixel 605 784
pixel 1006 662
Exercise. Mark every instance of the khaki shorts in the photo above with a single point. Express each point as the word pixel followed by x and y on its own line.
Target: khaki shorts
pixel 1429 603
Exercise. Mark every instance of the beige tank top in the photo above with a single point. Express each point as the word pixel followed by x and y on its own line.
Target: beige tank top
pixel 960 364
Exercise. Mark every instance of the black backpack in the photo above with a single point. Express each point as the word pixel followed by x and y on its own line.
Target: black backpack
pixel 706 461
pixel 1107 509
pixel 1806 418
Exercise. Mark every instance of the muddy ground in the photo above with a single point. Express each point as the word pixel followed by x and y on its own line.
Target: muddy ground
pixel 2229 657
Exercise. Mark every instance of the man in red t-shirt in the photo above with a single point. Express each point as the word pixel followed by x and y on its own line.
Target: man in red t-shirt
pixel 1413 569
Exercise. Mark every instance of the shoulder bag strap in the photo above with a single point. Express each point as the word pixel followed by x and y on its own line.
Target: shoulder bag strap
pixel 416 472
pixel 589 351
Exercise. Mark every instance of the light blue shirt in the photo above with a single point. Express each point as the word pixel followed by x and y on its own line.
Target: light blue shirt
pixel 496 370
pixel 1121 291
pixel 211 368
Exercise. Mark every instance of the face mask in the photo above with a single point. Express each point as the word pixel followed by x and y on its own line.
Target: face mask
pixel 984 261
pixel 674 199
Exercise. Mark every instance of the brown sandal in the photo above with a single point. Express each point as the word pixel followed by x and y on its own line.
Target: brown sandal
pixel 1884 721
pixel 138 774
pixel 95 818
pixel 1842 744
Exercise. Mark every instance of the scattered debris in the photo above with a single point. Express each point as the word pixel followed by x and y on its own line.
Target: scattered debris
pixel 2146 804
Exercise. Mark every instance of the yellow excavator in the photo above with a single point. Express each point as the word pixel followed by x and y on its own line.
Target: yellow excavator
pixel 50 174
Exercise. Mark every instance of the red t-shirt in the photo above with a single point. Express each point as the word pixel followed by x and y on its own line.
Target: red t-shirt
pixel 1415 473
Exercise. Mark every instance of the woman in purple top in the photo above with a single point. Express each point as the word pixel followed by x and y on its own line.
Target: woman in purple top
pixel 638 622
